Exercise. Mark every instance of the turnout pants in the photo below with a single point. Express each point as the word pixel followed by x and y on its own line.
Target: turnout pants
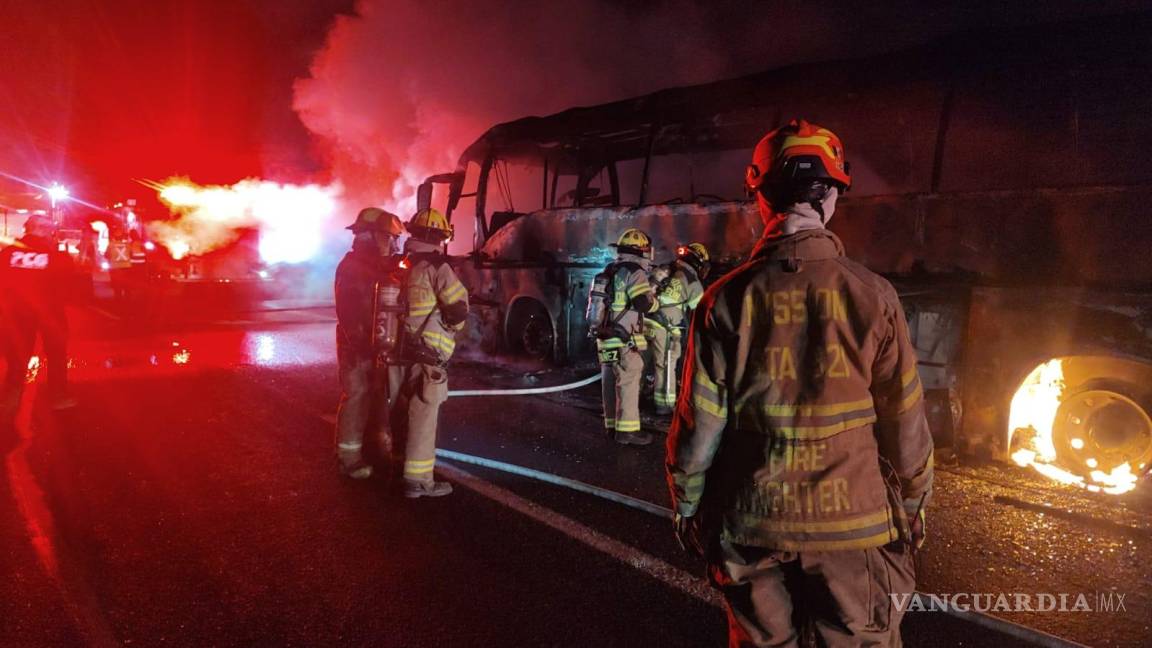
pixel 778 598
pixel 665 346
pixel 363 409
pixel 19 345
pixel 620 386
pixel 14 341
pixel 419 390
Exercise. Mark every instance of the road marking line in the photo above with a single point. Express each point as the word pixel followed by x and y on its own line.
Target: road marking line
pixel 672 576
pixel 556 480
pixel 679 579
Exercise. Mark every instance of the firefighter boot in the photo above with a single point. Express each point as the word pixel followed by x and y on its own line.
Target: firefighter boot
pixel 425 488
pixel 634 438
pixel 357 470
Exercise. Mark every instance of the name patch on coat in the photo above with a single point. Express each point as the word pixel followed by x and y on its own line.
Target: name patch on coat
pixel 29 260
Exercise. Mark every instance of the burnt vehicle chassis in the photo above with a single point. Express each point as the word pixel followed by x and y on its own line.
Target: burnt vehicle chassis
pixel 999 182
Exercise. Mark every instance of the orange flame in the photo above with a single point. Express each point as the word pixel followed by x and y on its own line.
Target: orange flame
pixel 289 217
pixel 1031 421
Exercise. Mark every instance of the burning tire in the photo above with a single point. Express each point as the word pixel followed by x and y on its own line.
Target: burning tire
pixel 1077 427
pixel 1101 429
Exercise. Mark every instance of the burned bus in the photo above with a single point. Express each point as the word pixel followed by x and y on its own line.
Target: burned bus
pixel 1000 182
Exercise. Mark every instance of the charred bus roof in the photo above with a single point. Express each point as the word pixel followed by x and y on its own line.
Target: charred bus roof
pixel 1015 156
pixel 873 103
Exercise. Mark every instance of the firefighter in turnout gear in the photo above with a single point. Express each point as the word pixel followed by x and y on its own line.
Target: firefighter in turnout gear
pixel 678 288
pixel 418 383
pixel 800 459
pixel 620 336
pixel 363 403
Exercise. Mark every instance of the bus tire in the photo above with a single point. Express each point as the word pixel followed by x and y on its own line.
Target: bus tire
pixel 529 331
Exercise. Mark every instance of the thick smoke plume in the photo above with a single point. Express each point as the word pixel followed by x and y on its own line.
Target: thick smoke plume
pixel 403 86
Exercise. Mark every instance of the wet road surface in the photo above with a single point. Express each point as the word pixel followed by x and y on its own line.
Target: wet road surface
pixel 192 499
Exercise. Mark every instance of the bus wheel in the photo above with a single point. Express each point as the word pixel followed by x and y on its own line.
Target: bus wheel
pixel 1100 428
pixel 530 330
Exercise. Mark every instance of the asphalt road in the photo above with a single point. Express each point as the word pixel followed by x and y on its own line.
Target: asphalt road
pixel 192 499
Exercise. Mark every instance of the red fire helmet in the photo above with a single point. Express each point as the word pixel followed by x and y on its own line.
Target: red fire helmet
pixel 798 151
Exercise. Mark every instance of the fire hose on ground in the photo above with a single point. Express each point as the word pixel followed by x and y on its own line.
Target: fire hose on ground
pixel 528 391
pixel 997 624
pixel 538 475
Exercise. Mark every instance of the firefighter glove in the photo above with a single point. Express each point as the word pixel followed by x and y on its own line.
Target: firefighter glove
pixel 687 531
pixel 455 313
pixel 917 522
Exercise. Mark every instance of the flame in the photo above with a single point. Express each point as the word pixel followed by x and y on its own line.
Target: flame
pixel 1034 406
pixel 1032 418
pixel 33 369
pixel 289 217
pixel 177 247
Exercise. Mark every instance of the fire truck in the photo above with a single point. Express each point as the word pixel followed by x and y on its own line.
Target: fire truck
pixel 1000 181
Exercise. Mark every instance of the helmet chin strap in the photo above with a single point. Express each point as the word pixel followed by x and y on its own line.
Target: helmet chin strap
pixel 817 195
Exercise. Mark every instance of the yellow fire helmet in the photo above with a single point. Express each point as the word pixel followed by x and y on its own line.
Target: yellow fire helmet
pixel 430 224
pixel 695 249
pixel 634 240
pixel 378 220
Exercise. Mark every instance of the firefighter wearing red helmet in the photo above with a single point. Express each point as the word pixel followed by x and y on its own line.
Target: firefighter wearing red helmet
pixel 363 402
pixel 800 462
pixel 437 308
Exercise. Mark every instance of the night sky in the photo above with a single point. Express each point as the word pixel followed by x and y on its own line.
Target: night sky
pixel 95 93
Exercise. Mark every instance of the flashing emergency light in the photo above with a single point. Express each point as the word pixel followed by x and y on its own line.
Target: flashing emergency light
pixel 58 193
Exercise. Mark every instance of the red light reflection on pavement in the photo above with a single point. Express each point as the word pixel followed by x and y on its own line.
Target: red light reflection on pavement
pixel 40 527
pixel 29 496
pixel 93 360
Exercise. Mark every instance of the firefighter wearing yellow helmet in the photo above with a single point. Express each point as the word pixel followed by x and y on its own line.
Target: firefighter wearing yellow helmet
pixel 418 381
pixel 363 403
pixel 801 460
pixel 678 287
pixel 618 326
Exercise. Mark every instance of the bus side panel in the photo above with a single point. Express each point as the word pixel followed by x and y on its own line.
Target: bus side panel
pixel 552 255
pixel 937 317
pixel 494 290
pixel 586 235
pixel 1077 236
